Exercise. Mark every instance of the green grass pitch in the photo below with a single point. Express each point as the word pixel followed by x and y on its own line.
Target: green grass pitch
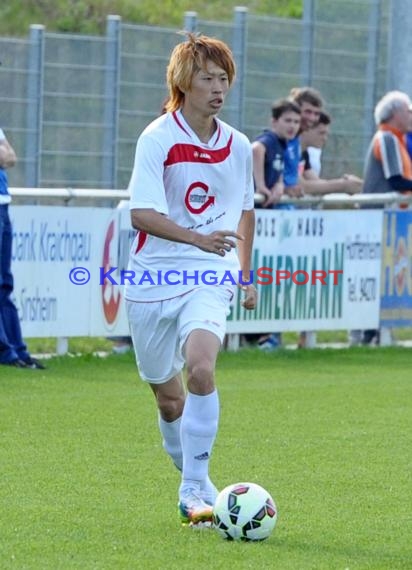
pixel 86 485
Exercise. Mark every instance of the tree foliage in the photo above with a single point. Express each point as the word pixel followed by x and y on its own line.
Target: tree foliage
pixel 89 16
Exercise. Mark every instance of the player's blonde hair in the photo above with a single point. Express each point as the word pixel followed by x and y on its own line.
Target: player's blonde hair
pixel 190 57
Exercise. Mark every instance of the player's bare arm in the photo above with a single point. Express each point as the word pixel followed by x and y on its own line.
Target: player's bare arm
pixel 315 185
pixel 156 224
pixel 247 229
pixel 259 152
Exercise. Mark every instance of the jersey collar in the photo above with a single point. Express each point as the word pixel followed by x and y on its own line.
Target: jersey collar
pixel 182 124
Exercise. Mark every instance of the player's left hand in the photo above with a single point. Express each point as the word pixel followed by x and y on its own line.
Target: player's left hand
pixel 250 296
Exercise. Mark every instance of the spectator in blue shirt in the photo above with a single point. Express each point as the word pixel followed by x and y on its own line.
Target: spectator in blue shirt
pixel 269 150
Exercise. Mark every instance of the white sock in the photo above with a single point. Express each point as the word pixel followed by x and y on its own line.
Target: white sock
pixel 171 443
pixel 171 440
pixel 198 432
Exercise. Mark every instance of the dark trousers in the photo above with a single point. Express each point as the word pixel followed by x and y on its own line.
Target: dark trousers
pixel 11 341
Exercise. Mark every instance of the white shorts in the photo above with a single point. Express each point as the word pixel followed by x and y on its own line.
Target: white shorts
pixel 159 329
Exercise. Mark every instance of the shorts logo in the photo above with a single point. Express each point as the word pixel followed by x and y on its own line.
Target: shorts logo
pixel 197 199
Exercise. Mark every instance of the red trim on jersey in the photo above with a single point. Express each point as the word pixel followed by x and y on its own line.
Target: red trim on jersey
pixel 193 153
pixel 141 240
pixel 174 115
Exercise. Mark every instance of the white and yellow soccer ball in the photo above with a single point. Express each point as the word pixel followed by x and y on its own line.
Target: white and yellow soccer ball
pixel 244 511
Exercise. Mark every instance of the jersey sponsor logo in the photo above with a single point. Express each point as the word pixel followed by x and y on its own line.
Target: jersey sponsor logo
pixel 191 153
pixel 201 155
pixel 197 199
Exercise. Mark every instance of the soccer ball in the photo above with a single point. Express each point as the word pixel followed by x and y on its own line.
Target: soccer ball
pixel 244 511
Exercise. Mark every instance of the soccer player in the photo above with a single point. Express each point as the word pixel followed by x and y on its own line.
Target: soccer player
pixel 192 204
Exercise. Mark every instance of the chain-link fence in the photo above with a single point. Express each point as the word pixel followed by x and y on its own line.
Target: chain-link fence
pixel 73 106
pixel 14 101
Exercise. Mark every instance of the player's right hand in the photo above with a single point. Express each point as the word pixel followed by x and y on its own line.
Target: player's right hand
pixel 218 242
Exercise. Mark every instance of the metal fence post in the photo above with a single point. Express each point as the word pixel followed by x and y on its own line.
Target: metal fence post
pixel 34 106
pixel 371 72
pixel 239 46
pixel 306 65
pixel 111 102
pixel 400 47
pixel 190 22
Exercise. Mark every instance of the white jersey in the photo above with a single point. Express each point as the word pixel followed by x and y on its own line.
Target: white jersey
pixel 315 158
pixel 200 186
